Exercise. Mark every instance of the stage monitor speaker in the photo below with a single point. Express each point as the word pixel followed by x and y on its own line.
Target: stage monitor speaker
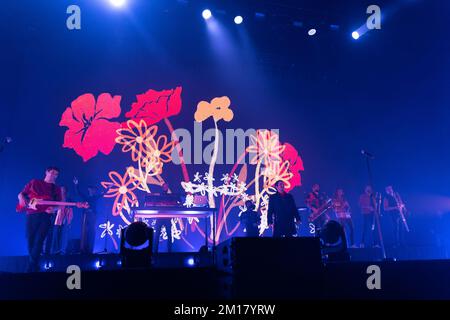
pixel 272 267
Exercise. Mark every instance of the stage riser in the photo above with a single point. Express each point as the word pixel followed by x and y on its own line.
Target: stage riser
pixel 59 263
pixel 399 280
pixel 186 284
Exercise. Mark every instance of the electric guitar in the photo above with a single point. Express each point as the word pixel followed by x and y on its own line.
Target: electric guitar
pixel 402 210
pixel 34 202
pixel 316 213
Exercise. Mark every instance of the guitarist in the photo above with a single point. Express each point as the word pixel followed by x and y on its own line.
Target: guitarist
pixel 315 201
pixel 38 222
pixel 368 206
pixel 392 207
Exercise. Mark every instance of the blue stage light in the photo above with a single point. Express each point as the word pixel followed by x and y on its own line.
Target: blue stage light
pixel 98 264
pixel 48 265
pixel 312 32
pixel 355 35
pixel 238 19
pixel 117 3
pixel 206 14
pixel 190 262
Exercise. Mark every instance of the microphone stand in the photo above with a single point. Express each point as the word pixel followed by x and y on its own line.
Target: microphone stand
pixel 377 206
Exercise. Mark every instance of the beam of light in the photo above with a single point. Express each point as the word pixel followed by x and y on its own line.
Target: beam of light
pixel 206 14
pixel 117 3
pixel 312 32
pixel 98 264
pixel 358 33
pixel 238 19
pixel 190 262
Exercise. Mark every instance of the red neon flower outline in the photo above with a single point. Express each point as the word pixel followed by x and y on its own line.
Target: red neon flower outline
pixel 290 154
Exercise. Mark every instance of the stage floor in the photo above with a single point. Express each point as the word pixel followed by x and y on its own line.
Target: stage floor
pixel 347 280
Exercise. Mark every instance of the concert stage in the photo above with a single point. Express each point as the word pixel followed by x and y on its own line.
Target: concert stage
pixel 243 268
pixel 399 280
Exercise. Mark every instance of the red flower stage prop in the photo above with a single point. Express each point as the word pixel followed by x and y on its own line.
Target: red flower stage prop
pixel 89 130
pixel 153 106
pixel 295 165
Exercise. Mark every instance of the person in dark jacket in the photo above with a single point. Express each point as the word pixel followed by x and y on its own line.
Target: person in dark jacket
pixel 250 219
pixel 282 212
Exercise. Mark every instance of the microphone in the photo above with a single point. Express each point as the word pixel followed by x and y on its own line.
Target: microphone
pixel 367 154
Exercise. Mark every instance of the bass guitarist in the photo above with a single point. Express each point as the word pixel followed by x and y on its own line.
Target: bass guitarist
pixel 39 217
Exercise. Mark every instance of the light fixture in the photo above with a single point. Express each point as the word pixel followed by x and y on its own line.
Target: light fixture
pixel 238 19
pixel 206 14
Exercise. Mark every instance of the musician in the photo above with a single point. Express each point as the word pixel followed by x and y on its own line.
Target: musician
pixel 250 219
pixel 391 204
pixel 38 221
pixel 89 216
pixel 166 222
pixel 314 201
pixel 63 219
pixel 367 204
pixel 342 210
pixel 282 213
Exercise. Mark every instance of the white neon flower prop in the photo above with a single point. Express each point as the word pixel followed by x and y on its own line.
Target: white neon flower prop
pixel 189 201
pixel 107 229
pixel 235 188
pixel 119 230
pixel 197 177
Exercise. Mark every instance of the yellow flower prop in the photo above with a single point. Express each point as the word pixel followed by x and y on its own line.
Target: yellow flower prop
pixel 162 150
pixel 137 138
pixel 218 108
pixel 266 147
pixel 120 188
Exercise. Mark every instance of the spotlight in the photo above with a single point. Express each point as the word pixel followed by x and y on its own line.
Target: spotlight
pixel 238 19
pixel 355 35
pixel 312 32
pixel 98 264
pixel 334 242
pixel 117 3
pixel 48 265
pixel 190 262
pixel 136 243
pixel 206 14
